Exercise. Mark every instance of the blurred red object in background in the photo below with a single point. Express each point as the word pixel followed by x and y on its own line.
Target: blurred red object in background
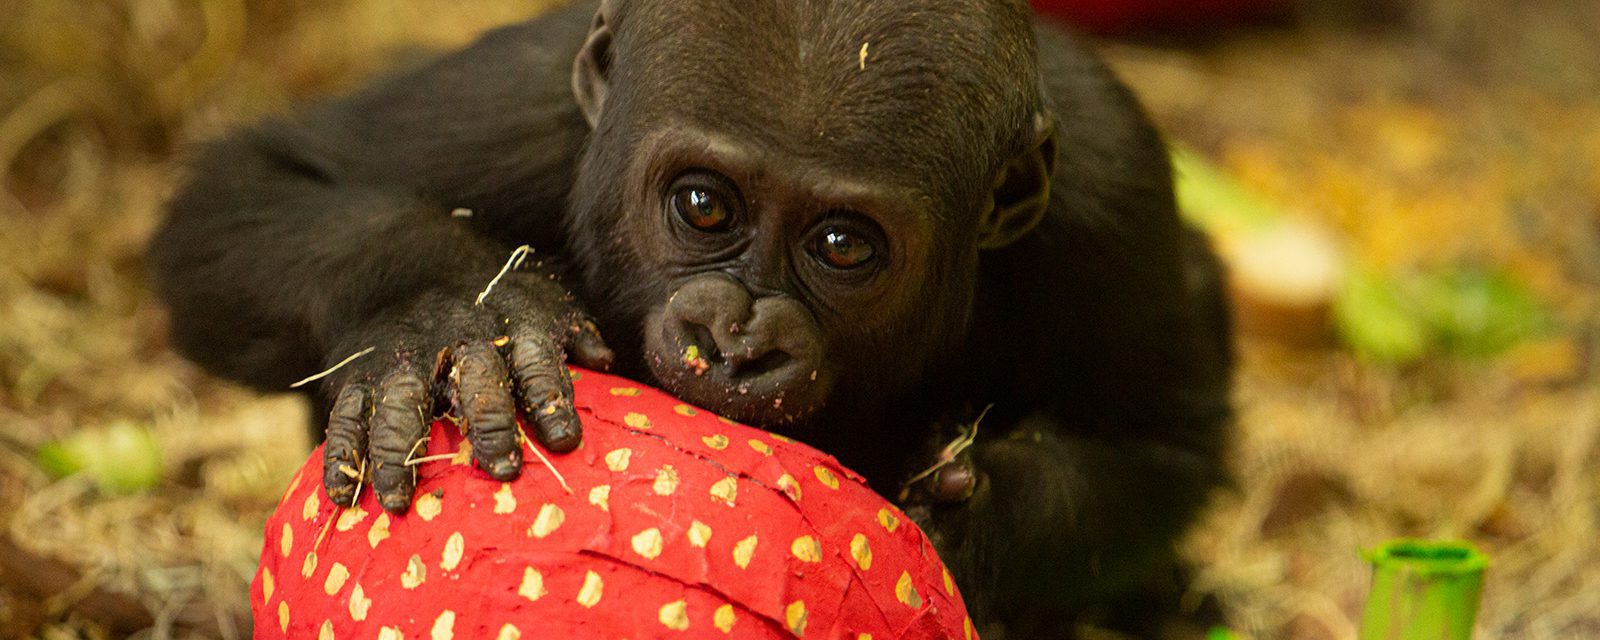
pixel 1119 16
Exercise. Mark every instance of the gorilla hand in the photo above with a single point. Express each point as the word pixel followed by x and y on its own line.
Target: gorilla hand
pixel 489 357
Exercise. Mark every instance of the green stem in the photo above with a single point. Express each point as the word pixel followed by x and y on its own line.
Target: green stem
pixel 1423 590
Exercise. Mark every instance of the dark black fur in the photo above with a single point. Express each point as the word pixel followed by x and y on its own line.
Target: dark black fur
pixel 1100 337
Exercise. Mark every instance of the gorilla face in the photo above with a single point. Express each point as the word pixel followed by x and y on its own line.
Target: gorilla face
pixel 782 217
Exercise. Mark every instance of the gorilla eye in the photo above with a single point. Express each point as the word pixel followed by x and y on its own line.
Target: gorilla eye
pixel 841 249
pixel 704 209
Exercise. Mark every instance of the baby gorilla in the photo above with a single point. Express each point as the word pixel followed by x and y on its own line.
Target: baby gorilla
pixel 865 223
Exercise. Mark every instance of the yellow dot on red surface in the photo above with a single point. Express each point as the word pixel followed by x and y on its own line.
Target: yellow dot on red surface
pixel 806 549
pixel 359 604
pixel 906 592
pixel 349 518
pixel 575 375
pixel 532 586
pixel 648 543
pixel 861 550
pixel 428 507
pixel 685 411
pixel 311 506
pixel 283 617
pixel 626 392
pixel 415 574
pixel 618 459
pixel 326 632
pixel 593 588
pixel 715 441
pixel 549 519
pixel 463 455
pixel 337 575
pixel 699 534
pixel 266 584
pixel 966 627
pixel 761 447
pixel 781 438
pixel 789 486
pixel 454 547
pixel 666 481
pixel 309 566
pixel 379 531
pixel 826 476
pixel 888 519
pixel 794 617
pixel 743 550
pixel 294 484
pixel 674 615
pixel 444 626
pixel 509 632
pixel 949 583
pixel 864 636
pixel 390 633
pixel 504 501
pixel 724 618
pixel 637 420
pixel 725 490
pixel 601 497
pixel 286 541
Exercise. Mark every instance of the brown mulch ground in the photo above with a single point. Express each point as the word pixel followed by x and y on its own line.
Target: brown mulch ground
pixel 1466 133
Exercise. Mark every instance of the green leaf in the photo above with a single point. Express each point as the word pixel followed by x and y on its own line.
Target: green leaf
pixel 1214 200
pixel 58 460
pixel 1479 313
pixel 122 458
pixel 1377 321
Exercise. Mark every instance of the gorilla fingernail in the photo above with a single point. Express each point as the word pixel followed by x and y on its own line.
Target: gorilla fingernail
pixel 504 469
pixel 395 503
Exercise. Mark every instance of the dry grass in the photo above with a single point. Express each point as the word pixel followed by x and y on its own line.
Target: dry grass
pixel 96 99
pixel 1469 137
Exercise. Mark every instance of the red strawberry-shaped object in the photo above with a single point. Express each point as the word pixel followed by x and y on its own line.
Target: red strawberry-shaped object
pixel 668 522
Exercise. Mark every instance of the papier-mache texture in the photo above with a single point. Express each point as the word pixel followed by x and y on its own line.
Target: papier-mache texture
pixel 678 524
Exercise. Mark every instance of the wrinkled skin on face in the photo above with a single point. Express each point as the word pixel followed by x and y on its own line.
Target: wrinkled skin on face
pixel 785 242
pixel 760 316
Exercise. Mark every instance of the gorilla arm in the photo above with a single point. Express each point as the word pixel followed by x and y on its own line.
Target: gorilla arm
pixel 300 241
pixel 1106 454
pixel 1102 339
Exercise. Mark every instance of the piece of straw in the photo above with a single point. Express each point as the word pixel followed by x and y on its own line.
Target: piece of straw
pixel 329 371
pixel 515 261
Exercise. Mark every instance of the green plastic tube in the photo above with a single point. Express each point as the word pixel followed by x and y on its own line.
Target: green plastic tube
pixel 1423 590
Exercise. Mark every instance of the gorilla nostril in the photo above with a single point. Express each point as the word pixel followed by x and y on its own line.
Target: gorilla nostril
pixel 765 363
pixel 701 336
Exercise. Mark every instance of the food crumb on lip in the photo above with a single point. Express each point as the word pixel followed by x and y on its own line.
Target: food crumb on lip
pixel 695 362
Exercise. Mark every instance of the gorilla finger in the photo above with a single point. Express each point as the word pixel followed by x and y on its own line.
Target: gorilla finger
pixel 346 445
pixel 954 482
pixel 586 348
pixel 487 406
pixel 398 426
pixel 546 390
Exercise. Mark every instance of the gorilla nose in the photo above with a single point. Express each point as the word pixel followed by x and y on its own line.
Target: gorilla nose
pixel 748 342
pixel 756 360
pixel 742 358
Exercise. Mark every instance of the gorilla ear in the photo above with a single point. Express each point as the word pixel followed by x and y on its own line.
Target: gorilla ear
pixel 591 70
pixel 1021 190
